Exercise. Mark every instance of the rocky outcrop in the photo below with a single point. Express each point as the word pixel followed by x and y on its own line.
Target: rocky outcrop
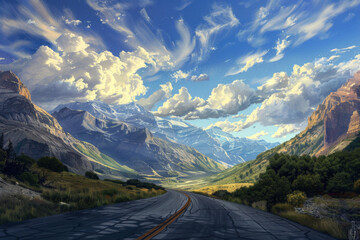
pixel 10 82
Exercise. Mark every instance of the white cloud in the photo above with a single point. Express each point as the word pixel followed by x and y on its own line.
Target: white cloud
pixel 1 58
pixel 145 15
pixel 220 19
pixel 180 104
pixel 280 47
pixel 199 78
pixel 286 129
pixel 256 136
pixel 138 33
pixel 179 75
pixel 74 22
pixel 159 95
pixel 333 57
pixel 224 100
pixel 80 74
pixel 69 42
pixel 349 17
pixel 342 50
pixel 227 126
pixel 246 62
pixel 289 100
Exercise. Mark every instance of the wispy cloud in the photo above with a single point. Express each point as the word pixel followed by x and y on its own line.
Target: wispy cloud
pixel 246 62
pixel 342 50
pixel 221 18
pixel 280 47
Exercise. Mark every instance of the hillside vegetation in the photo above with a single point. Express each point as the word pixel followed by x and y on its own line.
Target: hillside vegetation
pixel 52 189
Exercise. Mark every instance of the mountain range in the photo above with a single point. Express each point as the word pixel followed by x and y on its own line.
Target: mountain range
pixel 214 143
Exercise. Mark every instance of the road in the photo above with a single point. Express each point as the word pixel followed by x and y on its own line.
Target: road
pixel 205 218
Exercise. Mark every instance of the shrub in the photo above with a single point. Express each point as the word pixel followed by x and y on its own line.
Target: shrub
pixel 340 182
pixel 262 205
pixel 357 186
pixel 310 184
pixel 26 160
pixel 30 178
pixel 91 175
pixel 52 164
pixel 296 198
pixel 110 192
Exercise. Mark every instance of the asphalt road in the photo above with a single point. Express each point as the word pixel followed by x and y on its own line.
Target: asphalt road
pixel 205 218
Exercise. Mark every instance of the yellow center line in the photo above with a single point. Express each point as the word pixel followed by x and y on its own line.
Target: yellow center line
pixel 156 230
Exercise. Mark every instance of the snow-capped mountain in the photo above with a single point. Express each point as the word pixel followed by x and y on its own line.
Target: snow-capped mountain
pixel 214 143
pixel 239 149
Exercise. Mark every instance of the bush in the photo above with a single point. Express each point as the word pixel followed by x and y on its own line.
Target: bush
pixel 91 175
pixel 340 182
pixel 357 186
pixel 30 178
pixel 52 164
pixel 221 193
pixel 310 184
pixel 26 160
pixel 296 198
pixel 110 192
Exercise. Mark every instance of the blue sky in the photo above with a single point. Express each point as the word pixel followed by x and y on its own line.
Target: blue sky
pixel 254 68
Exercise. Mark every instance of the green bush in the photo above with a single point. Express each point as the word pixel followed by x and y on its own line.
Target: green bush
pixel 26 160
pixel 340 182
pixel 110 192
pixel 51 163
pixel 29 178
pixel 310 184
pixel 296 198
pixel 357 186
pixel 221 193
pixel 91 175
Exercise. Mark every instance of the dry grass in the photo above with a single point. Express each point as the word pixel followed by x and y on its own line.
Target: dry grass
pixel 231 187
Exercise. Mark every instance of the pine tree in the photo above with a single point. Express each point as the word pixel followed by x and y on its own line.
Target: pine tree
pixel 10 151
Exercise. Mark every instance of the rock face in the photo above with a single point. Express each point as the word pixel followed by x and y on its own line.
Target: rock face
pixel 135 147
pixel 36 133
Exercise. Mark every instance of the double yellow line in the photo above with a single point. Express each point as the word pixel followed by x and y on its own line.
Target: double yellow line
pixel 156 230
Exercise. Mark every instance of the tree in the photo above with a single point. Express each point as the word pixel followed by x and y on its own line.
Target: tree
pixel 310 184
pixel 340 182
pixel 10 151
pixel 357 186
pixel 296 198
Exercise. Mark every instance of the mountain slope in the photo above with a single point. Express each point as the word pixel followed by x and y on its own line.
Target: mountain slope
pixel 135 147
pixel 36 133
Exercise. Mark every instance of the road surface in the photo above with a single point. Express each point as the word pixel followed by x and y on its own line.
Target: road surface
pixel 205 218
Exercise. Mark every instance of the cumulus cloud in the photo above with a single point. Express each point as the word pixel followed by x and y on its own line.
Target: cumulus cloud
pixel 279 81
pixel 280 47
pixel 180 104
pixel 78 73
pixel 179 75
pixel 221 18
pixel 286 129
pixel 256 136
pixel 159 95
pixel 246 62
pixel 224 100
pixel 74 22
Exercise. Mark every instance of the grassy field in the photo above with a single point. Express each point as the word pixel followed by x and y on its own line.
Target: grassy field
pixel 231 187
